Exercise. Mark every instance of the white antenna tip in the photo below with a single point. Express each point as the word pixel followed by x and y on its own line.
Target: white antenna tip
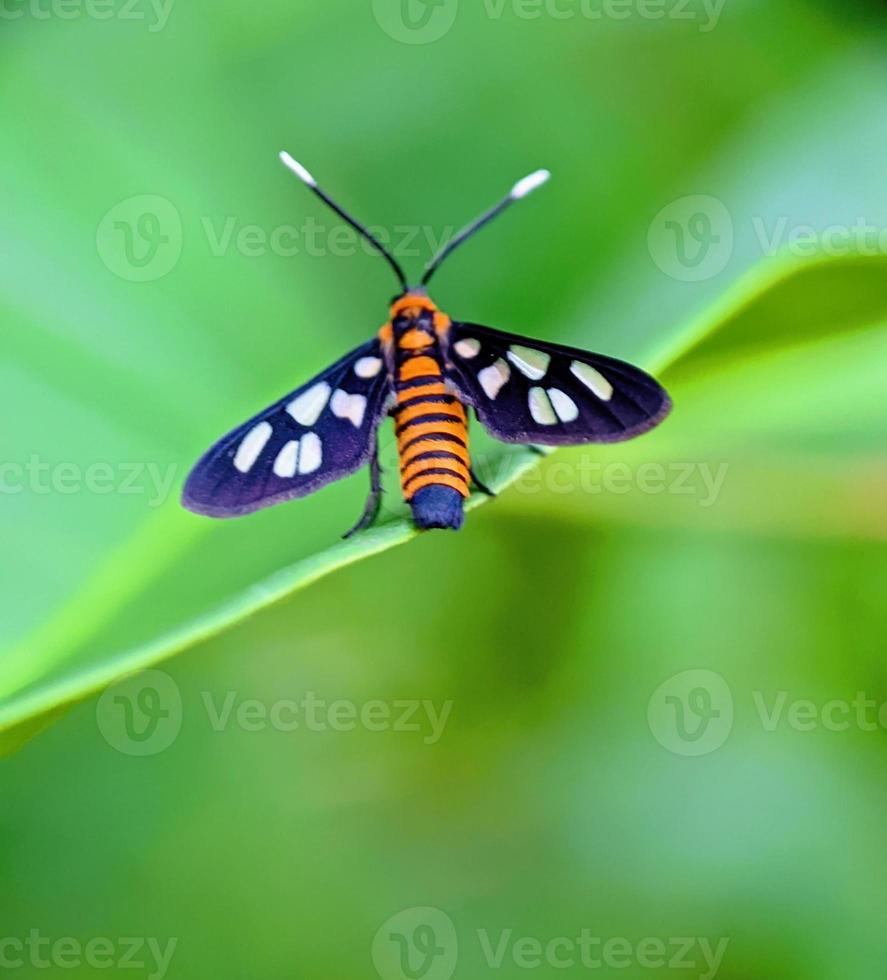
pixel 529 184
pixel 297 169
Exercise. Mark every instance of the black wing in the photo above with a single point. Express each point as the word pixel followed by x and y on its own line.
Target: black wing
pixel 530 391
pixel 316 434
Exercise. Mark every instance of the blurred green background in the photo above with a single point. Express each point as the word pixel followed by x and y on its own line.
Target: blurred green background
pixel 642 704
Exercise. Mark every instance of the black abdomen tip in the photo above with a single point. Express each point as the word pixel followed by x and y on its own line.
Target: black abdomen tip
pixel 437 507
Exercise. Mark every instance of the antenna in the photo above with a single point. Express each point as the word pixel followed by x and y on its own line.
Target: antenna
pixel 520 190
pixel 307 179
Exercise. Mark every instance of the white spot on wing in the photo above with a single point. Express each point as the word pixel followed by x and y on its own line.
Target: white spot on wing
pixel 593 380
pixel 540 407
pixel 368 367
pixel 493 377
pixel 467 348
pixel 306 408
pixel 567 410
pixel 287 458
pixel 532 363
pixel 310 453
pixel 347 406
pixel 252 445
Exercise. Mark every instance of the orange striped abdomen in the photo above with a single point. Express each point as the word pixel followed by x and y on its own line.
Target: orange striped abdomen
pixel 432 429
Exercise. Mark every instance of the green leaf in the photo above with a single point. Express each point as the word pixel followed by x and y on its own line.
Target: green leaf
pixel 785 303
pixel 48 670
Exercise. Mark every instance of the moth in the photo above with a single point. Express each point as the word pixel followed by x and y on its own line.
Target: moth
pixel 425 370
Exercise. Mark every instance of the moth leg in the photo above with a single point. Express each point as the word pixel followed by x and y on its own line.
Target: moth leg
pixel 479 483
pixel 536 450
pixel 374 500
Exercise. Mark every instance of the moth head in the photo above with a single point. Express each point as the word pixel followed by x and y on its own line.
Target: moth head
pixel 413 308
